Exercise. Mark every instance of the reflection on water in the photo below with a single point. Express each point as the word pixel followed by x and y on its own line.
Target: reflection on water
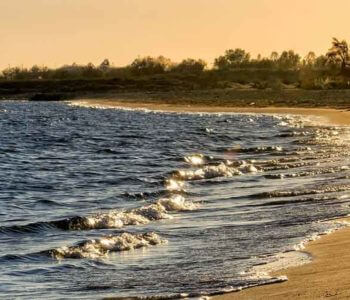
pixel 106 202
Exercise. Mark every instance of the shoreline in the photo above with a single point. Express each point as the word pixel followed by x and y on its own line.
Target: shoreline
pixel 324 277
pixel 327 273
pixel 330 116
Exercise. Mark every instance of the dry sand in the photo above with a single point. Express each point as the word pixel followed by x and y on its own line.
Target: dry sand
pixel 328 275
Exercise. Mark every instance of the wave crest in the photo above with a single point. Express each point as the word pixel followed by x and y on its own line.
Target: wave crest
pixel 96 248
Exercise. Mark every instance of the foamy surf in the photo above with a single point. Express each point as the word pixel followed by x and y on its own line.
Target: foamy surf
pixel 162 209
pixel 143 215
pixel 115 168
pixel 323 189
pixel 195 159
pixel 280 262
pixel 174 185
pixel 101 247
pixel 207 172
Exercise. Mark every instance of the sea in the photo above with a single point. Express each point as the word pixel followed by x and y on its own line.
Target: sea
pixel 112 203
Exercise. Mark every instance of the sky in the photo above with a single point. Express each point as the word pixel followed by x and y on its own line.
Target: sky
pixel 57 32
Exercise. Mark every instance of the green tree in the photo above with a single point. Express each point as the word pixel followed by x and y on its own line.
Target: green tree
pixel 190 65
pixel 15 73
pixel 232 59
pixel 321 62
pixel 150 65
pixel 36 72
pixel 90 71
pixel 105 65
pixel 288 60
pixel 310 59
pixel 274 56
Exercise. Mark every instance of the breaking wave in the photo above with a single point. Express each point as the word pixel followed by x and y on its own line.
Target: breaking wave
pixel 115 218
pixel 224 169
pixel 96 248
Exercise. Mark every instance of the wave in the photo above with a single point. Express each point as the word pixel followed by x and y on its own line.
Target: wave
pixel 195 159
pixel 96 248
pixel 320 190
pixel 260 149
pixel 112 219
pixel 207 172
pixel 294 134
pixel 308 173
pixel 28 228
pixel 298 201
pixel 224 169
pixel 286 166
pixel 173 185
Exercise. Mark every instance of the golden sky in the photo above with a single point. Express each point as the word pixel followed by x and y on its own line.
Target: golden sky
pixel 55 32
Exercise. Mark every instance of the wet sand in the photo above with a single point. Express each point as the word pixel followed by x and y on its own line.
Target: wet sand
pixel 328 275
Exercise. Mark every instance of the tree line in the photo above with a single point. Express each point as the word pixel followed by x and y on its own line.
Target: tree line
pixel 331 70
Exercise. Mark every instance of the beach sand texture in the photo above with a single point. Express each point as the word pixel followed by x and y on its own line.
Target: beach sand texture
pixel 328 275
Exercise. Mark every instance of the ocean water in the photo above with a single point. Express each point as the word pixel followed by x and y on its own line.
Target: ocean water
pixel 99 203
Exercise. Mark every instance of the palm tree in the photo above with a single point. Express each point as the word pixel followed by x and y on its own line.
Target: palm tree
pixel 339 53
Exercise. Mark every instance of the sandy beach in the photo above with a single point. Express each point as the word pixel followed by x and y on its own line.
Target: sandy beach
pixel 327 276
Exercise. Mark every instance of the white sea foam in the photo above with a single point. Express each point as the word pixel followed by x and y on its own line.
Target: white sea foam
pixel 318 171
pixel 322 189
pixel 153 212
pixel 195 159
pixel 96 248
pixel 224 169
pixel 286 120
pixel 174 185
pixel 333 226
pixel 113 219
pixel 282 261
pixel 246 167
pixel 207 172
pixel 177 203
pixel 88 104
pixel 300 121
pixel 137 216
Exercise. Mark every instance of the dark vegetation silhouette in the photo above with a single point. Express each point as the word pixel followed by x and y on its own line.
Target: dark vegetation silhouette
pixel 235 69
